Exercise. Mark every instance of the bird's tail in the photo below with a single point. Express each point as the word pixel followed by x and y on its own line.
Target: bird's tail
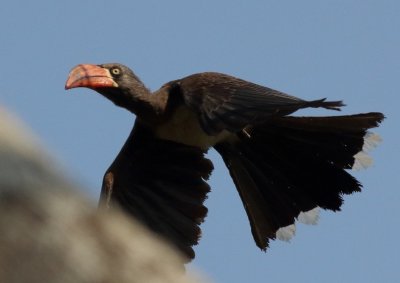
pixel 289 167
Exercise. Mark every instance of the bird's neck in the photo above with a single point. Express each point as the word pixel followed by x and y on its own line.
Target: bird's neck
pixel 148 107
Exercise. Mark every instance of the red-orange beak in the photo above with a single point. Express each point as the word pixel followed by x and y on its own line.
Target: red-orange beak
pixel 91 76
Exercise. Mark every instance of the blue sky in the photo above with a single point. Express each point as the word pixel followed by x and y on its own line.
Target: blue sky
pixel 311 49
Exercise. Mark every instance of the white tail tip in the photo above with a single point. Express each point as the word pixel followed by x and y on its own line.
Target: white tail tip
pixel 286 233
pixel 361 159
pixel 371 140
pixel 310 217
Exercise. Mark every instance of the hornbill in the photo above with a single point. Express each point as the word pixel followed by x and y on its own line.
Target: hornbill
pixel 284 167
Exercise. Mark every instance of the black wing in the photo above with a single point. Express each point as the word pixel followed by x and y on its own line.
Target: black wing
pixel 151 180
pixel 226 102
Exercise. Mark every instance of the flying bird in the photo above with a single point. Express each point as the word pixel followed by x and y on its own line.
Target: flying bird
pixel 285 168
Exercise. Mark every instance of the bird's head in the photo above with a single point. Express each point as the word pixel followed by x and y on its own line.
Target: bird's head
pixel 114 81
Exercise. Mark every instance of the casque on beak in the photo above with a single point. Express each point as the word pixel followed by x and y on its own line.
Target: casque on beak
pixel 90 76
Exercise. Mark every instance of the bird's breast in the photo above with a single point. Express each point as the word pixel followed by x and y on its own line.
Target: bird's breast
pixel 183 126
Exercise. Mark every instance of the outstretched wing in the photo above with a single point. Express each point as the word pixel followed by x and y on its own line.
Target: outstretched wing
pixel 150 179
pixel 225 102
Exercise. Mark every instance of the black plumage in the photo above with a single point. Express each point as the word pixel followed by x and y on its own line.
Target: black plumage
pixel 282 166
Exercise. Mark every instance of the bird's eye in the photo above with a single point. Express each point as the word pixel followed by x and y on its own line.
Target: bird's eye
pixel 115 71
